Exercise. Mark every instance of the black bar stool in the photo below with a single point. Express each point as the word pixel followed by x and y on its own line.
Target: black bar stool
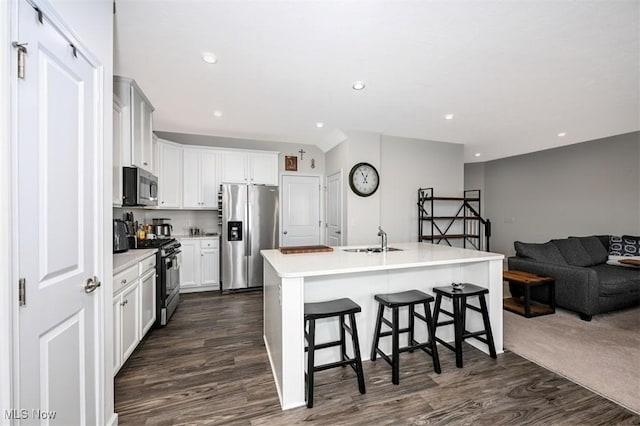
pixel 460 305
pixel 332 308
pixel 395 301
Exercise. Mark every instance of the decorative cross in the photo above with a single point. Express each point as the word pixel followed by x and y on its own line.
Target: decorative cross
pixel 302 152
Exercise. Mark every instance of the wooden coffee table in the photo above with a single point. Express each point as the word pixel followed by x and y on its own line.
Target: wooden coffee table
pixel 525 306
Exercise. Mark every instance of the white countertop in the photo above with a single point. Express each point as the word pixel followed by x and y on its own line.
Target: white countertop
pixel 122 261
pixel 196 237
pixel 413 255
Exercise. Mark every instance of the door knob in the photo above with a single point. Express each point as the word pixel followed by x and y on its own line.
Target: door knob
pixel 90 284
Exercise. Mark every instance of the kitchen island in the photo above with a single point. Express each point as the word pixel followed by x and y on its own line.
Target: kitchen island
pixel 293 279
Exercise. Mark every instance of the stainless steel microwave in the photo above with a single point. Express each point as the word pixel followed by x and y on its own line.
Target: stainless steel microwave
pixel 140 188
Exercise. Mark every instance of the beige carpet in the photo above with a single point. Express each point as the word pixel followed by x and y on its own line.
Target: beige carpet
pixel 602 355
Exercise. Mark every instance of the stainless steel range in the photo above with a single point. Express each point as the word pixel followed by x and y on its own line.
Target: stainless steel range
pixel 168 262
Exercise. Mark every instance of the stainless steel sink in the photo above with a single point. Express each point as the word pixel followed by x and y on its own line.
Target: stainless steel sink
pixel 370 250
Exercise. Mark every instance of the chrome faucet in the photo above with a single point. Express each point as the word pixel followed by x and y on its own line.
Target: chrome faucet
pixel 383 235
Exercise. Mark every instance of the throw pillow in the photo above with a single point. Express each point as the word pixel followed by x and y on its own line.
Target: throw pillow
pixel 573 252
pixel 630 245
pixel 594 249
pixel 627 245
pixel 546 253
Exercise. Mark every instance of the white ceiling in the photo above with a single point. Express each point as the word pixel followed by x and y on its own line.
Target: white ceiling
pixel 515 74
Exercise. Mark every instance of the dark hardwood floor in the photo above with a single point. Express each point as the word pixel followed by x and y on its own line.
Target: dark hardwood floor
pixel 209 366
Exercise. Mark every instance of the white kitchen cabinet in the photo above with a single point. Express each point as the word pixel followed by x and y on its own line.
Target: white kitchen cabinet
pixel 147 301
pixel 130 320
pixel 190 263
pixel 200 269
pixel 210 263
pixel 169 175
pixel 117 334
pixel 139 141
pixel 119 121
pixel 200 179
pixel 250 167
pixel 134 308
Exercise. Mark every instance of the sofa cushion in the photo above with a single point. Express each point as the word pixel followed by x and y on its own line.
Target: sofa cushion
pixel 573 252
pixel 546 252
pixel 594 249
pixel 615 280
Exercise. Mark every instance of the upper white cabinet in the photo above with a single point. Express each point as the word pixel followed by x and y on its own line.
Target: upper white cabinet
pixel 169 175
pixel 119 121
pixel 250 167
pixel 200 178
pixel 138 143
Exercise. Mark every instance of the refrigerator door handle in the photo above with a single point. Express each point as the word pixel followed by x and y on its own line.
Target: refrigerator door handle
pixel 248 230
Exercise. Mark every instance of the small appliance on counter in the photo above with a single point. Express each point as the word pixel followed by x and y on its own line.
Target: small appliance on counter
pixel 161 228
pixel 120 236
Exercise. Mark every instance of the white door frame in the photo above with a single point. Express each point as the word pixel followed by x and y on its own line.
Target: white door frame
pixel 321 207
pixel 342 218
pixel 7 291
pixel 8 213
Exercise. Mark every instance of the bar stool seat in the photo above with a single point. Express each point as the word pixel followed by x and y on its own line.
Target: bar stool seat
pixel 332 308
pixel 395 301
pixel 459 301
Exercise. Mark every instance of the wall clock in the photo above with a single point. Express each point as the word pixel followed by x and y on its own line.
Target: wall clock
pixel 364 179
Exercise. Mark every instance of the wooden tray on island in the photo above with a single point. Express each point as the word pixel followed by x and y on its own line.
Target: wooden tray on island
pixel 304 249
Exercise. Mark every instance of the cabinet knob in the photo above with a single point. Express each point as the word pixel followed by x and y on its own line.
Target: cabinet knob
pixel 161 202
pixel 146 164
pixel 123 281
pixel 285 232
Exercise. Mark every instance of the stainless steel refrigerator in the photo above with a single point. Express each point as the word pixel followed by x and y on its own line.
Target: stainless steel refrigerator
pixel 249 216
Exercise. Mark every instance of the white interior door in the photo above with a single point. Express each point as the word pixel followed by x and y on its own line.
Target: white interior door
pixel 59 196
pixel 300 210
pixel 334 209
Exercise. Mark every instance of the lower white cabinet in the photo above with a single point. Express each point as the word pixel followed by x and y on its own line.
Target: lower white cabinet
pixel 134 308
pixel 130 319
pixel 147 302
pixel 200 269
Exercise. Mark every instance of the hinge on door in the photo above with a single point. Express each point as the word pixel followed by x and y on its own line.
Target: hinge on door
pixel 22 53
pixel 22 292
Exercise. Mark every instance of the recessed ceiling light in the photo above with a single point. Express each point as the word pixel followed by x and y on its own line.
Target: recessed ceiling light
pixel 358 85
pixel 448 117
pixel 477 154
pixel 319 124
pixel 209 58
pixel 217 113
pixel 562 134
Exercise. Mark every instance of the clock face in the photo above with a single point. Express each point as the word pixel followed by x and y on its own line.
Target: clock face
pixel 364 179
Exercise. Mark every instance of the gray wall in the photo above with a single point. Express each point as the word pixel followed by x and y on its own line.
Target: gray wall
pixel 582 189
pixel 284 148
pixel 409 164
pixel 404 165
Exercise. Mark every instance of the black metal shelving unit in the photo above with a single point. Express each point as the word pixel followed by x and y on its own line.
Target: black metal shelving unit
pixel 437 229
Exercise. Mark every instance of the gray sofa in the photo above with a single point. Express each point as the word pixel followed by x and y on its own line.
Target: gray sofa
pixel 585 283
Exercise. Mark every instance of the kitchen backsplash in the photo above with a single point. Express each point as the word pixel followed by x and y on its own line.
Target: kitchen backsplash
pixel 182 220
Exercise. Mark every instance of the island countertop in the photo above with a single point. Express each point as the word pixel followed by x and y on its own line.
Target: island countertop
pixel 412 255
